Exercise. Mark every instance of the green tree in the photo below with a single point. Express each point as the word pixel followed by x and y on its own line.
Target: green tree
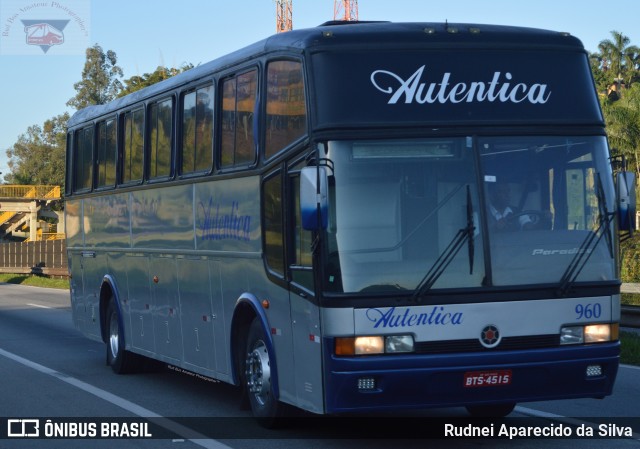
pixel 599 75
pixel 136 82
pixel 623 125
pixel 100 83
pixel 39 154
pixel 619 58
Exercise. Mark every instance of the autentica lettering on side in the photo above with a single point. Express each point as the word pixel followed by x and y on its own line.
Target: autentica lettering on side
pixel 438 315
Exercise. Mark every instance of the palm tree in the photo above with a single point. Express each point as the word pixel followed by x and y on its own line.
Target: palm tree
pixel 623 125
pixel 618 56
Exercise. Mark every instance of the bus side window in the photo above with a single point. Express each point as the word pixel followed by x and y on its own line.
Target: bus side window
pixel 107 153
pixel 286 106
pixel 239 95
pixel 83 159
pixel 133 146
pixel 68 164
pixel 160 140
pixel 197 131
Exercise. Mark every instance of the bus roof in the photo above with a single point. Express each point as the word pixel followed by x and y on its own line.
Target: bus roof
pixel 377 35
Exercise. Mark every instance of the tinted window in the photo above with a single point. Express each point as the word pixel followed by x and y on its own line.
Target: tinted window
pixel 133 145
pixel 160 139
pixel 238 111
pixel 107 153
pixel 197 130
pixel 83 153
pixel 286 106
pixel 273 223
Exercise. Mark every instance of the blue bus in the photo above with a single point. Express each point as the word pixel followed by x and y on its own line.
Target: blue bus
pixel 358 217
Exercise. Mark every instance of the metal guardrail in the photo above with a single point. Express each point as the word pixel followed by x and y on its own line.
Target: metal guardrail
pixel 630 315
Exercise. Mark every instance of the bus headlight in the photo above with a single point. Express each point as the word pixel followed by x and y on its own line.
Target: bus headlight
pixel 592 333
pixel 373 344
pixel 398 343
pixel 369 345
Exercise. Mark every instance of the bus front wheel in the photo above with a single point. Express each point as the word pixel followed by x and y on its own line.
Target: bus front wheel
pixel 258 377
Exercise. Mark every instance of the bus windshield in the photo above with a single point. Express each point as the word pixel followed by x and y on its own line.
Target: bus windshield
pixel 532 210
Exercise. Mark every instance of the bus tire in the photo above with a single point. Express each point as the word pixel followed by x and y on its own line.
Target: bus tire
pixel 491 410
pixel 120 360
pixel 257 378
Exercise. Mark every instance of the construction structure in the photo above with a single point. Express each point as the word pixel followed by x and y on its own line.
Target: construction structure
pixel 346 10
pixel 284 15
pixel 24 210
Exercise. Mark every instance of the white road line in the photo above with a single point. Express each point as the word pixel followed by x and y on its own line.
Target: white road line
pixel 39 306
pixel 132 407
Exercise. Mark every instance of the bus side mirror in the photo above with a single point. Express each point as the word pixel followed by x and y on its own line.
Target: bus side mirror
pixel 314 202
pixel 626 201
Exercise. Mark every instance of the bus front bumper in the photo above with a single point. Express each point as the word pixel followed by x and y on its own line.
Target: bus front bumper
pixel 397 382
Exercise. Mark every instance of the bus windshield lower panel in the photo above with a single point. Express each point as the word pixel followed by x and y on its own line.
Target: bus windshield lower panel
pixel 441 213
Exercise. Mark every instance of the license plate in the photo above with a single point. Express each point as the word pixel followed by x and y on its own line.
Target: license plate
pixel 474 379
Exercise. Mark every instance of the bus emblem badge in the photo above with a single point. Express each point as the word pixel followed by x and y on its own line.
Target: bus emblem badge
pixel 490 336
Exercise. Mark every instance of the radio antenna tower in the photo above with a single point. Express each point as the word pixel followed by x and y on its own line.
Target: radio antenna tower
pixel 345 10
pixel 284 15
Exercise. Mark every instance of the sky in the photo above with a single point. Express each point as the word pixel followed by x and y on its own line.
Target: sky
pixel 144 34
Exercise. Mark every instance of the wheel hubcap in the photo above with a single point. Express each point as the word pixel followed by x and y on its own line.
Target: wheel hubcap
pixel 114 335
pixel 259 373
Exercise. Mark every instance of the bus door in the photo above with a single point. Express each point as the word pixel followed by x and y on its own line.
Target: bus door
pixel 92 266
pixel 305 313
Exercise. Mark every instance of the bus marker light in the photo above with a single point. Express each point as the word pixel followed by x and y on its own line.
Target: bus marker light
pixel 265 303
pixel 345 346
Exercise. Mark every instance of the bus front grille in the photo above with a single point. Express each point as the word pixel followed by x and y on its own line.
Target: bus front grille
pixel 473 345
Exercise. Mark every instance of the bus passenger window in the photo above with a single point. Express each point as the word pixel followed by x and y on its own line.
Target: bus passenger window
pixel 197 131
pixel 238 104
pixel 83 157
pixel 107 153
pixel 133 146
pixel 286 106
pixel 160 139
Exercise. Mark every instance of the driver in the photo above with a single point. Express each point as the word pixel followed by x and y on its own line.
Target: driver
pixel 504 217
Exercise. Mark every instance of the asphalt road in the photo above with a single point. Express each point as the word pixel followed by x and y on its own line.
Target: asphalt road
pixel 50 371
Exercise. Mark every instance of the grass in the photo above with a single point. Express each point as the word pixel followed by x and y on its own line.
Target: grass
pixel 630 299
pixel 630 348
pixel 34 281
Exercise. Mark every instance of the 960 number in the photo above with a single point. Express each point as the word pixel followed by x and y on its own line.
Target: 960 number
pixel 588 311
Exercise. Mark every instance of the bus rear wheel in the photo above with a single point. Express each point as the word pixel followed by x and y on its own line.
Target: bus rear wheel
pixel 258 378
pixel 120 360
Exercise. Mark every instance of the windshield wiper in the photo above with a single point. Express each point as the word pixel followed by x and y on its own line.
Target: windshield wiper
pixel 581 258
pixel 446 257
